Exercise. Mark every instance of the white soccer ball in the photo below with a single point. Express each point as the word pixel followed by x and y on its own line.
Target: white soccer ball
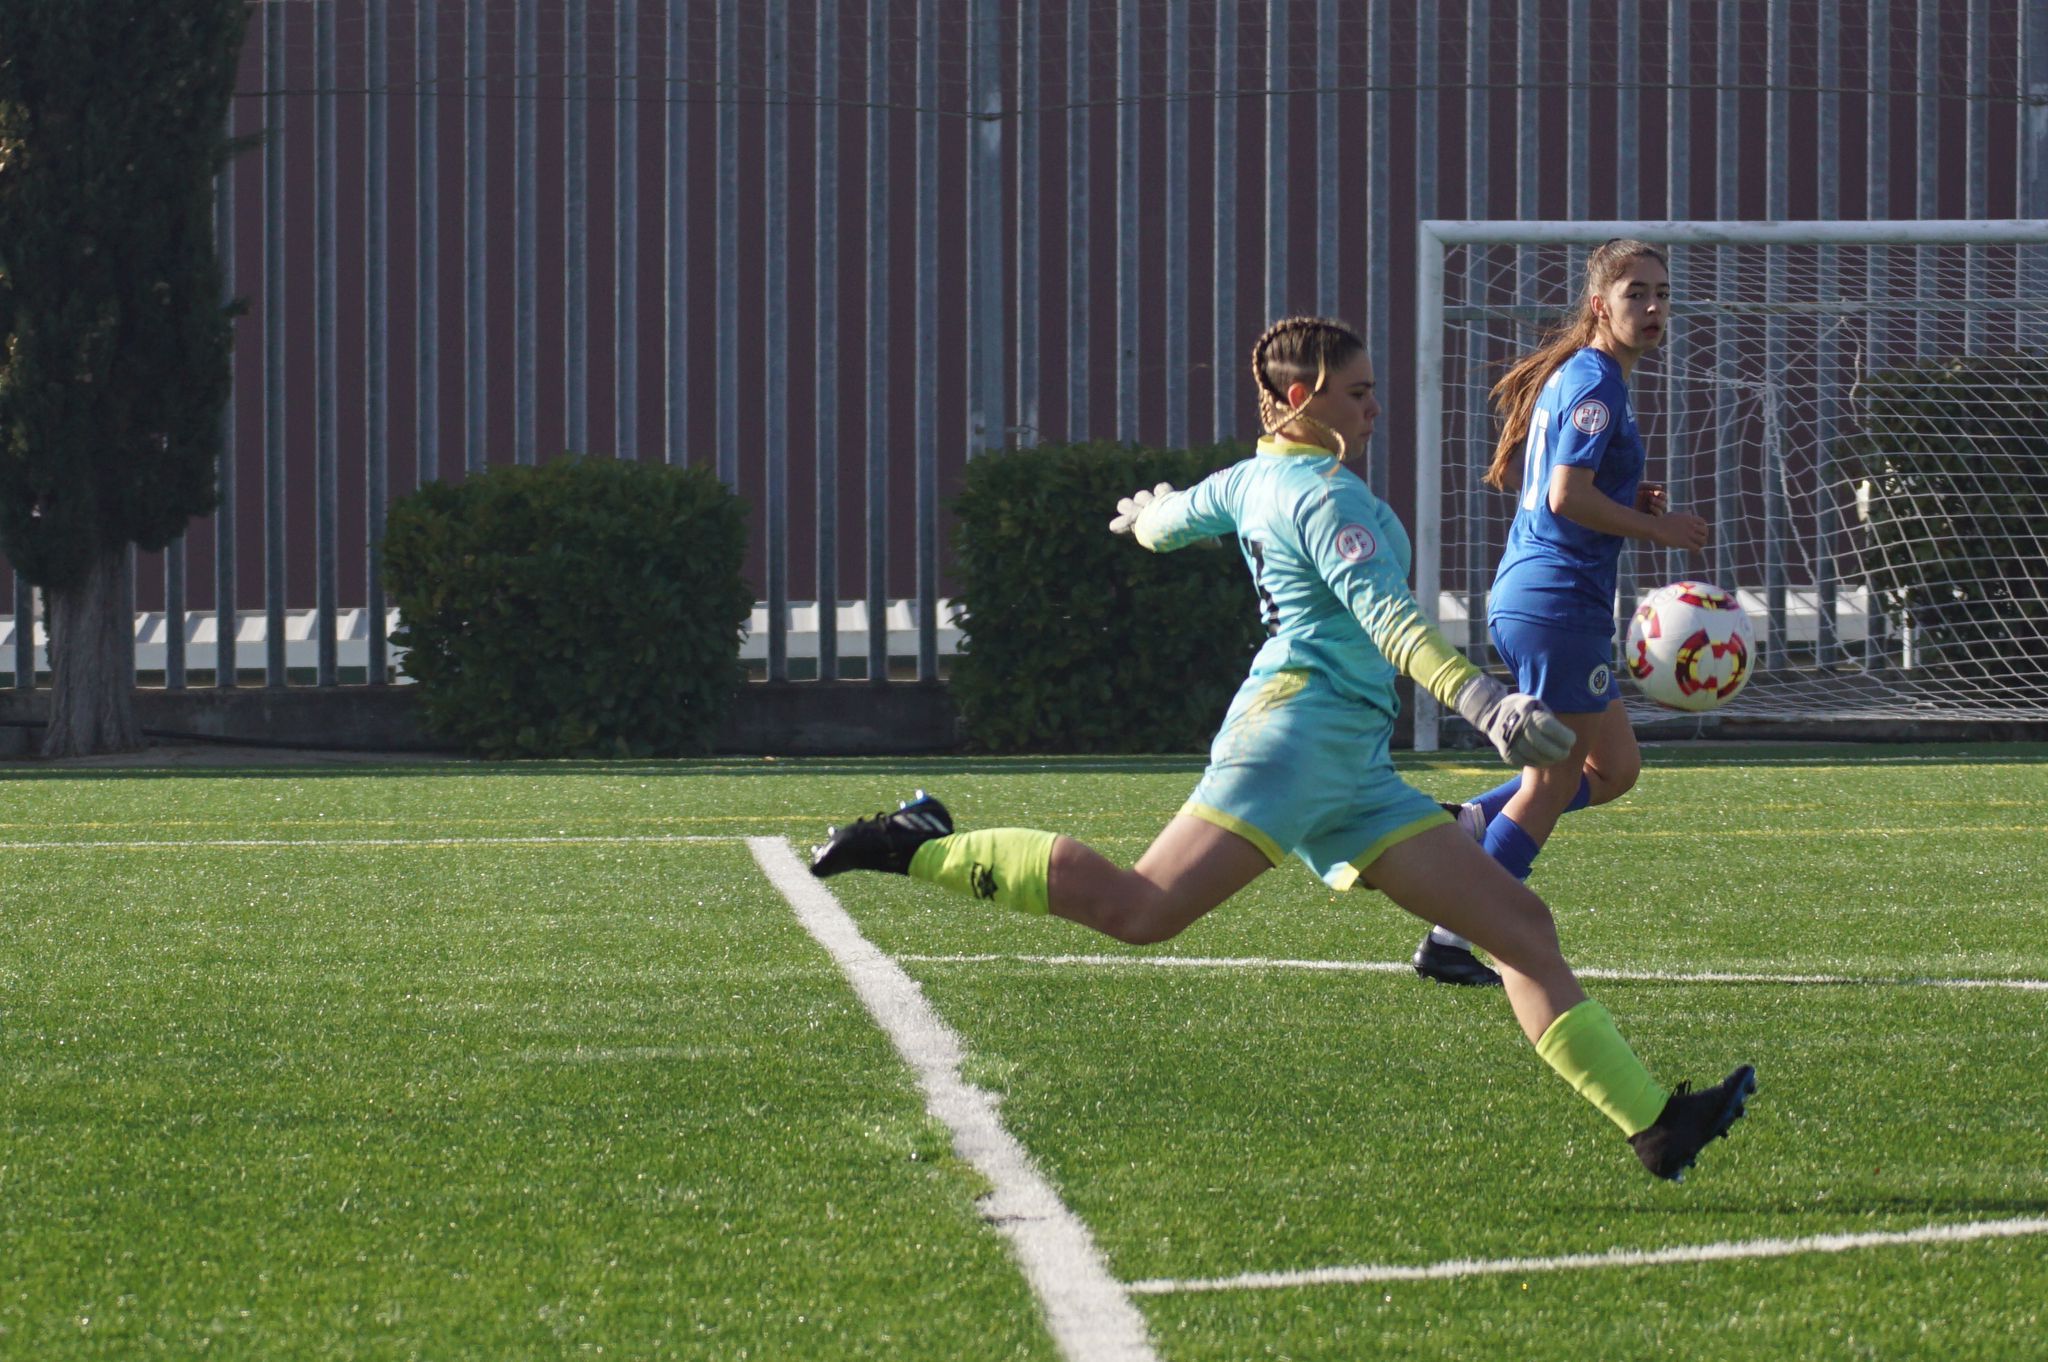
pixel 1690 646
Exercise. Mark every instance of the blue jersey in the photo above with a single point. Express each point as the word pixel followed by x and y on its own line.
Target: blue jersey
pixel 1556 571
pixel 1330 563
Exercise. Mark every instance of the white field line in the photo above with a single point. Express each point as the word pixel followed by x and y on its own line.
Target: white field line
pixel 1090 1317
pixel 1251 963
pixel 1574 1262
pixel 259 843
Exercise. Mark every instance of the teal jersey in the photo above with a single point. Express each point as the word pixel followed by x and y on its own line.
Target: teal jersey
pixel 1330 563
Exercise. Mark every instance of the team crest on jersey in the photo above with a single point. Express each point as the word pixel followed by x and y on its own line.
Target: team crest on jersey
pixel 1590 417
pixel 1598 682
pixel 1356 543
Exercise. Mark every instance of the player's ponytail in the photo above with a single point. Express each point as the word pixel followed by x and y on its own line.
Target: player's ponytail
pixel 1514 397
pixel 1303 350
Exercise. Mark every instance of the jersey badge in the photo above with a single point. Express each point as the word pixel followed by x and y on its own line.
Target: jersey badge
pixel 1590 417
pixel 1356 543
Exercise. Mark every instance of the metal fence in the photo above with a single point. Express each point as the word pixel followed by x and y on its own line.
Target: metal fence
pixel 835 248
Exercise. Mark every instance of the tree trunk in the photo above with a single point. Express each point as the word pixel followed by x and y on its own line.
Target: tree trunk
pixel 92 663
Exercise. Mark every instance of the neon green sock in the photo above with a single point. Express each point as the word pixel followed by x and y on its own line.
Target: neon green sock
pixel 1013 866
pixel 1588 1053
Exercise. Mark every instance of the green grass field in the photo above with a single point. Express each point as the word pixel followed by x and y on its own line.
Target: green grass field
pixel 448 1061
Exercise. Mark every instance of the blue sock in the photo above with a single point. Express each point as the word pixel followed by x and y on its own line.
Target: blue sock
pixel 1494 800
pixel 1512 847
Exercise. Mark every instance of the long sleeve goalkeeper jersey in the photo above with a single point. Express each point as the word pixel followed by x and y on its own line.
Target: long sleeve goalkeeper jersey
pixel 1330 563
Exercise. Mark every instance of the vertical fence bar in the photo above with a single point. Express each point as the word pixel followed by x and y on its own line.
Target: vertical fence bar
pixel 727 307
pixel 675 272
pixel 986 330
pixel 476 263
pixel 1977 165
pixel 1223 246
pixel 376 327
pixel 626 221
pixel 878 350
pixel 1379 243
pixel 1877 204
pixel 1428 80
pixel 1079 117
pixel 775 309
pixel 2033 162
pixel 1175 304
pixel 1326 192
pixel 1926 170
pixel 1276 162
pixel 1030 125
pixel 1828 205
pixel 1630 78
pixel 225 617
pixel 927 304
pixel 326 447
pixel 1777 207
pixel 1127 220
pixel 1478 448
pixel 525 230
pixel 576 226
pixel 274 79
pixel 1678 460
pixel 1528 162
pixel 427 245
pixel 1578 177
pixel 1728 203
pixel 825 256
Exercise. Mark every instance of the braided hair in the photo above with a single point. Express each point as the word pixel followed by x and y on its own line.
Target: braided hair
pixel 1299 350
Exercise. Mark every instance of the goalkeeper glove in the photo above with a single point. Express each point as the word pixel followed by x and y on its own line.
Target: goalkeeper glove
pixel 1129 508
pixel 1521 727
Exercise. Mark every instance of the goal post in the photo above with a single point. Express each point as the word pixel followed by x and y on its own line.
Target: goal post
pixel 1859 408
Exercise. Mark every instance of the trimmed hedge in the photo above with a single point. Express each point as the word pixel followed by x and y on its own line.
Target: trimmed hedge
pixel 1954 457
pixel 586 607
pixel 1078 640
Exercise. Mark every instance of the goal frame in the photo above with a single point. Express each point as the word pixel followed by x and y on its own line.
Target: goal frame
pixel 1436 236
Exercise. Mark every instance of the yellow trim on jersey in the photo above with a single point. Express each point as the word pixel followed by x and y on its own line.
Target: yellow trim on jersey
pixel 1228 823
pixel 1379 848
pixel 1280 444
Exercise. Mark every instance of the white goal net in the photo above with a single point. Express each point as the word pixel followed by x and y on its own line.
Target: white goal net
pixel 1859 408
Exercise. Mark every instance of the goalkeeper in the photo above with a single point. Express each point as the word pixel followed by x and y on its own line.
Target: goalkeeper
pixel 1301 765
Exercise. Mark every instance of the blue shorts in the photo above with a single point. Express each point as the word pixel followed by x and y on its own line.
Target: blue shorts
pixel 1571 671
pixel 1299 769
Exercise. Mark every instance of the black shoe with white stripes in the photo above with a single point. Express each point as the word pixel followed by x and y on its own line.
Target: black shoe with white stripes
pixel 885 842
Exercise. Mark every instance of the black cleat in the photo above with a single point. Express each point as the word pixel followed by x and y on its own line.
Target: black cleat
pixel 885 842
pixel 1443 964
pixel 1470 817
pixel 1690 1121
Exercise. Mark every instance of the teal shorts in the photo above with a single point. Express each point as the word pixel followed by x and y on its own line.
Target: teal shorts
pixel 1299 769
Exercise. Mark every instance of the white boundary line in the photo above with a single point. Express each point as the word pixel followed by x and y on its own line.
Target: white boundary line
pixel 1087 1310
pixel 1253 963
pixel 1498 1267
pixel 249 843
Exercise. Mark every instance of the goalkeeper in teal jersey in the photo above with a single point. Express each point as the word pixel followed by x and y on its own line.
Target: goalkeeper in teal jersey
pixel 1301 765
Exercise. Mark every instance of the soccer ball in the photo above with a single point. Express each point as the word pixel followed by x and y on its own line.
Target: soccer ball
pixel 1690 646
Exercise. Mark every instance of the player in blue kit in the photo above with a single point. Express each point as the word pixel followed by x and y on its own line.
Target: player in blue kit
pixel 1301 765
pixel 1569 444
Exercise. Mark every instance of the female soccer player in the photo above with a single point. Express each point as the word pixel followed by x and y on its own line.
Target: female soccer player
pixel 1569 442
pixel 1301 763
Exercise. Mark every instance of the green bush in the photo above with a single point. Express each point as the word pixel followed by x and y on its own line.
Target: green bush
pixel 584 607
pixel 1078 640
pixel 1953 455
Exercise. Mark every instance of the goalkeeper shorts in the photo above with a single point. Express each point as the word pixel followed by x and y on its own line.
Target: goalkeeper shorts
pixel 1570 670
pixel 1297 768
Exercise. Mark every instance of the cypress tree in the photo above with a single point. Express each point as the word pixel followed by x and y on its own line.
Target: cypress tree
pixel 114 340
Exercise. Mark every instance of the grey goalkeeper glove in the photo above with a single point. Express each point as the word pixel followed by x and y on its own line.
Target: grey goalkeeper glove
pixel 1520 726
pixel 1129 508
